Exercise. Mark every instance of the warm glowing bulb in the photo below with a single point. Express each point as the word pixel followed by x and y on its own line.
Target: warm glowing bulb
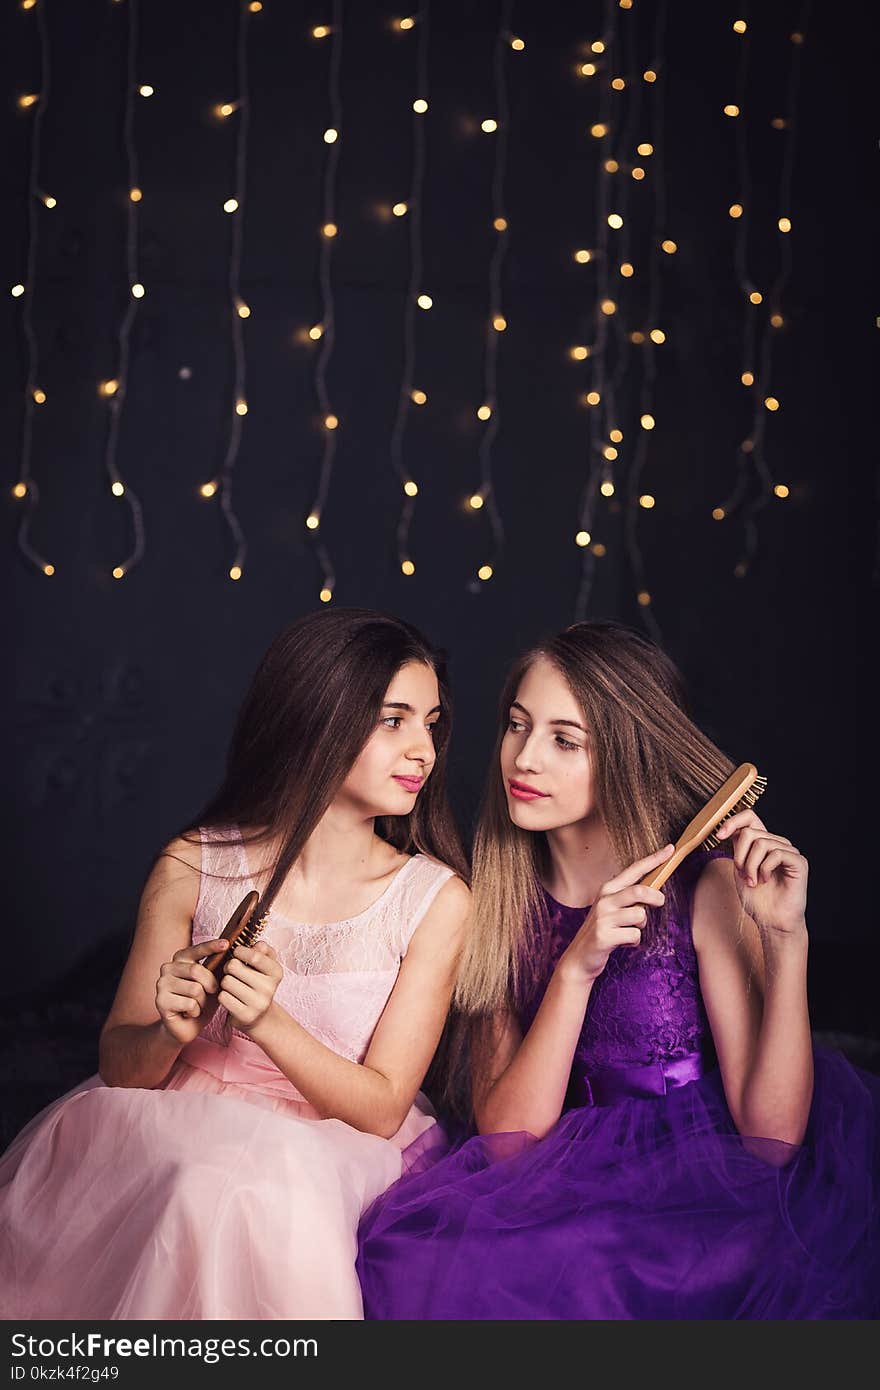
pixel 475 501
pixel 419 397
pixel 500 224
pixel 49 569
pixel 146 90
pixel 650 75
pixel 331 136
pixel 739 26
pixel 646 501
pixel 776 320
pixel 637 173
pixel 618 83
pixel 580 354
pixel 797 38
pixel 718 513
pixel 329 229
pixel 781 490
pixel 241 407
pixel 255 6
pixel 499 323
pixel 399 209
pixel 489 126
pixel 231 205
pixel 316 331
pixel 208 489
pixel 29 99
pixel 748 446
pixel 582 538
pixel 40 396
pixel 592 398
pixel 771 402
pixel 597 46
pixel 411 489
pixel 408 23
pixel 235 572
pixel 610 452
pixel 588 69
pixel 28 4
pixel 225 108
pixel 756 297
pixel 625 4
pixel 637 337
pixel 312 522
pixel 420 106
pixel 598 130
pixel 20 490
pixel 607 489
pixel 784 224
pixel 135 194
pixel 644 598
pixel 408 567
pixel 599 549
pixel 627 270
pixel 583 256
pixel 118 572
pixel 320 31
pixel 645 148
pixel 735 210
pixel 748 378
pixel 657 335
pixel 608 306
pixel 331 422
pixel 138 291
pixel 243 310
pixel 611 166
pixel 616 436
pixel 48 200
pixel 325 595
pixel 17 291
pixel 484 572
pixel 779 123
pixel 484 412
pixel 117 489
pixel 615 220
pixel 110 387
pixel 517 44
pixel 424 301
pixel 670 247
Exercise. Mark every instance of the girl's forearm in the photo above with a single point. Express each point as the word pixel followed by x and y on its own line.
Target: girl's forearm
pixel 337 1088
pixel 135 1054
pixel 778 1092
pixel 530 1093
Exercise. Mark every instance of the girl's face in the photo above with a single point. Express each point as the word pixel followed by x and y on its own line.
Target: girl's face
pixel 545 753
pixel 397 758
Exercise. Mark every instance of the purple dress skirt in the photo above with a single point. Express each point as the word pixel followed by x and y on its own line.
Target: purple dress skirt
pixel 643 1201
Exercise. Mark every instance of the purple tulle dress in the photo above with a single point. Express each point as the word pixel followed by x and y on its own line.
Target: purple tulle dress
pixel 643 1201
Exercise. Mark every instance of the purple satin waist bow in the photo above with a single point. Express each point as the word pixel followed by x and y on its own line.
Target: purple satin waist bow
pixel 606 1085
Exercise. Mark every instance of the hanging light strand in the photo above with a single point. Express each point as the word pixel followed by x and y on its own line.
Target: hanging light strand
pixel 407 384
pixel 328 319
pixel 644 434
pixel 599 469
pixel 26 487
pixel 236 318
pixel 496 323
pixel 134 295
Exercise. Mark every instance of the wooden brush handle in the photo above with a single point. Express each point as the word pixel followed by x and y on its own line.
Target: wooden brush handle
pixel 705 821
pixel 232 931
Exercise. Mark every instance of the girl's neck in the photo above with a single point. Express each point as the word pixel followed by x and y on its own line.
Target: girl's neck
pixel 581 860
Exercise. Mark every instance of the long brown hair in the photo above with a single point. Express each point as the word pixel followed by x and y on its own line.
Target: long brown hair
pixel 652 769
pixel 311 706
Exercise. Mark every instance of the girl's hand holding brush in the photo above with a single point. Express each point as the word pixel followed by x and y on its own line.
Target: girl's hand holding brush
pixel 770 875
pixel 186 992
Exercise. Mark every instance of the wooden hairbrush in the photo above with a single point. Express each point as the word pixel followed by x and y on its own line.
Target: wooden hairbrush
pixel 739 793
pixel 242 929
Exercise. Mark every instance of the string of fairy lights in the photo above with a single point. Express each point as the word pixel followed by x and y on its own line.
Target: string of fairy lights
pixel 624 69
pixel 25 489
pixel 234 206
pixel 761 325
pixel 325 331
pixel 483 498
pixel 415 298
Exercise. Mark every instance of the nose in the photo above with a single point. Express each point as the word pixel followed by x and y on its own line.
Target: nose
pixel 421 748
pixel 528 758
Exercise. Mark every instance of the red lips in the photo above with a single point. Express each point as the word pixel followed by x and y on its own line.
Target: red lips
pixel 523 792
pixel 411 784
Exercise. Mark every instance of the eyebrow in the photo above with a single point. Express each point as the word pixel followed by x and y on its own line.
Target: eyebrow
pixel 565 723
pixel 400 704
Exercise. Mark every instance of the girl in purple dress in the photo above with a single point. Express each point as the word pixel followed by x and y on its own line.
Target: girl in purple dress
pixel 656 1136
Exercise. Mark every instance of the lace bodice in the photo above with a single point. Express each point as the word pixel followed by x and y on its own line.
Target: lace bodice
pixel 337 976
pixel 646 1006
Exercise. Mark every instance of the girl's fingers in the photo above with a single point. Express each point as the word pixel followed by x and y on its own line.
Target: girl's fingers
pixel 630 937
pixel 741 821
pixel 199 950
pixel 631 875
pixel 637 893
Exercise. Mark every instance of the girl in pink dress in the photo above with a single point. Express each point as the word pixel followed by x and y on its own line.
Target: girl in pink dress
pixel 219 1164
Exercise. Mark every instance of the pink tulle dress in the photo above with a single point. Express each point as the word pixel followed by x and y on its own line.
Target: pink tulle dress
pixel 221 1194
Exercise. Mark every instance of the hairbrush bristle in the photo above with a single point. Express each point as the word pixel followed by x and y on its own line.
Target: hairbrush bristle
pixel 745 803
pixel 252 931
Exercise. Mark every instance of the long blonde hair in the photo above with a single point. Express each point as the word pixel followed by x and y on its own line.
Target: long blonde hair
pixel 652 768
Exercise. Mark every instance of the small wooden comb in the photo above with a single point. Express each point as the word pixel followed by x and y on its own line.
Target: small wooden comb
pixel 242 929
pixel 739 793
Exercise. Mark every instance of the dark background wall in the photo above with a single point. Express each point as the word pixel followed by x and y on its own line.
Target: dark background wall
pixel 123 692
